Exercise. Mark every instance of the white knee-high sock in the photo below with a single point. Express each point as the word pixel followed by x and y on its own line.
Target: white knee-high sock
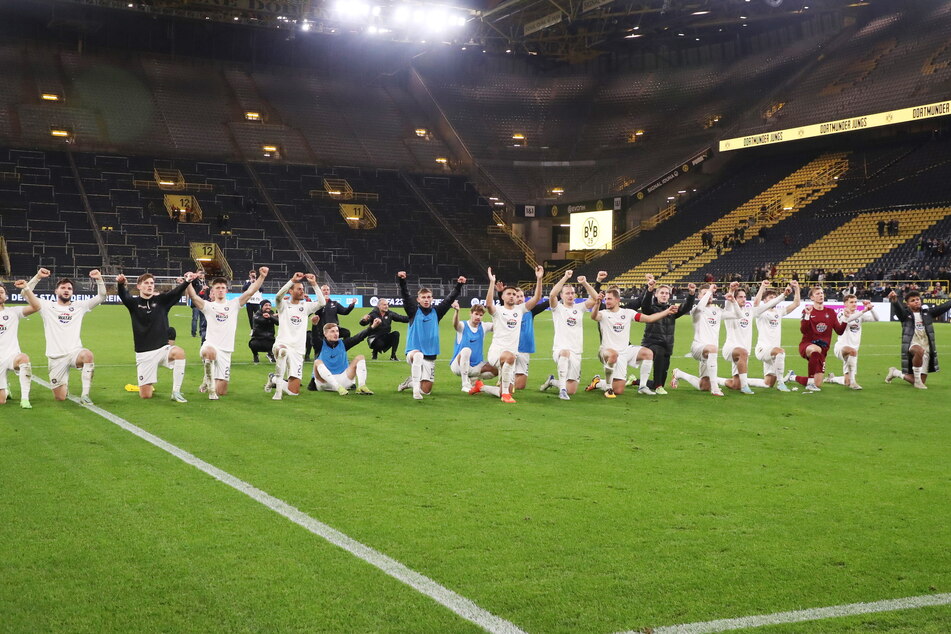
pixel 647 366
pixel 853 366
pixel 838 380
pixel 207 365
pixel 178 374
pixel 691 379
pixel 720 381
pixel 463 361
pixel 604 385
pixel 757 383
pixel 494 390
pixel 562 371
pixel 508 377
pixel 712 369
pixel 86 377
pixel 26 379
pixel 361 372
pixel 779 363
pixel 608 373
pixel 744 380
pixel 327 376
pixel 416 370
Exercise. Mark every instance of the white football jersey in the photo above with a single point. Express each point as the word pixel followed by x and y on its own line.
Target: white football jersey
pixel 62 325
pixel 769 326
pixel 616 327
pixel 706 324
pixel 738 321
pixel 508 325
pixel 222 323
pixel 293 323
pixel 569 334
pixel 9 327
pixel 852 337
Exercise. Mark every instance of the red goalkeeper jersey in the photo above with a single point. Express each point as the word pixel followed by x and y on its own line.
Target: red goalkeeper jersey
pixel 819 326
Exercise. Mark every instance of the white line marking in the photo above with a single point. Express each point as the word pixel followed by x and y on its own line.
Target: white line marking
pixel 419 582
pixel 798 616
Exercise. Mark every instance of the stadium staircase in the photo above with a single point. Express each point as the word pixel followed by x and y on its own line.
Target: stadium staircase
pixel 776 203
pixel 856 244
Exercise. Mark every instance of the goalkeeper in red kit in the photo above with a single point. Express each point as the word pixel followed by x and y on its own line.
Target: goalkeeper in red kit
pixel 817 325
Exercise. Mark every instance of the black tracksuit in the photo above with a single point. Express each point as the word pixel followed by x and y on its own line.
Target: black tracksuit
pixel 659 335
pixel 150 328
pixel 262 333
pixel 384 338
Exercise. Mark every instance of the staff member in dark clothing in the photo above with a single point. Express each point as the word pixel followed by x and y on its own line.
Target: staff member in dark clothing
pixel 255 302
pixel 659 335
pixel 327 315
pixel 150 332
pixel 262 331
pixel 383 337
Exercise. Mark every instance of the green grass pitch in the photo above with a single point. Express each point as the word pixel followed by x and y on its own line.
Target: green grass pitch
pixel 587 516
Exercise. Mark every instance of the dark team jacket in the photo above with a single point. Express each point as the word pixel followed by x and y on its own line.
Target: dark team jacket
pixel 263 327
pixel 661 332
pixel 907 320
pixel 150 316
pixel 387 320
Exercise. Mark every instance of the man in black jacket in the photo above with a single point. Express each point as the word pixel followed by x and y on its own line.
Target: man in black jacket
pixel 262 331
pixel 919 354
pixel 659 335
pixel 327 315
pixel 383 337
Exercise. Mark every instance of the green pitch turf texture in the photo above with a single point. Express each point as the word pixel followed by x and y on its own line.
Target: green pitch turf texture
pixel 584 516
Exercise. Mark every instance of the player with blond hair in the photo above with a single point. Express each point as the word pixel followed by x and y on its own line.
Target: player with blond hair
pixel 847 344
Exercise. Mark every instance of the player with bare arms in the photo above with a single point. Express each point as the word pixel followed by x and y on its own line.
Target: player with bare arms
pixel 568 343
pixel 11 358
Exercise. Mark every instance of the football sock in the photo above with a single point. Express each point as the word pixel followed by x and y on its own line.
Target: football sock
pixel 178 374
pixel 691 379
pixel 327 376
pixel 647 366
pixel 562 372
pixel 86 376
pixel 744 380
pixel 757 383
pixel 508 377
pixel 416 370
pixel 361 372
pixel 494 390
pixel 779 363
pixel 26 378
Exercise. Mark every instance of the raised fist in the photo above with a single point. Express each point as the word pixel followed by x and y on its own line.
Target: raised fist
pixel 672 310
pixel 734 286
pixel 455 305
pixel 43 273
pixel 764 283
pixel 190 276
pixel 95 274
pixel 461 279
pixel 892 296
pixel 713 288
pixel 867 303
pixel 568 274
pixel 491 275
pixel 582 279
pixel 539 272
pixel 807 311
pixel 353 300
pixel 20 284
pixel 315 319
pixel 310 277
pixel 787 290
pixel 376 323
pixel 401 275
pixel 601 276
pixel 297 277
pixel 120 279
pixel 179 280
pixel 263 271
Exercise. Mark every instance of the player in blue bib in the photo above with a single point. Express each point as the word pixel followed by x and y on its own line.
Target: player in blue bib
pixel 332 369
pixel 422 336
pixel 468 356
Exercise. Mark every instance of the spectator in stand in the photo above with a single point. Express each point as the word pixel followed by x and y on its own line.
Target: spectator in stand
pixel 881 228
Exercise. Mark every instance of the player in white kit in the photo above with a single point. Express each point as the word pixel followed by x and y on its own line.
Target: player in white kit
pixel 738 321
pixel 11 358
pixel 221 315
pixel 507 318
pixel 293 320
pixel 62 323
pixel 847 344
pixel 616 352
pixel 568 343
pixel 769 340
pixel 706 335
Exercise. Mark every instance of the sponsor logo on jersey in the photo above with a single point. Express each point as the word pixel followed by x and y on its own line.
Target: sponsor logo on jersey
pixel 572 322
pixel 221 317
pixel 773 322
pixel 3 328
pixel 296 320
pixel 64 318
pixel 712 321
pixel 511 323
pixel 854 327
pixel 821 327
pixel 618 327
pixel 744 322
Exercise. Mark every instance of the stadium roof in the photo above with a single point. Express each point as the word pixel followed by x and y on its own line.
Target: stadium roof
pixel 572 30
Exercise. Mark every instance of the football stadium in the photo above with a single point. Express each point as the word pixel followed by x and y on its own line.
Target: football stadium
pixel 445 316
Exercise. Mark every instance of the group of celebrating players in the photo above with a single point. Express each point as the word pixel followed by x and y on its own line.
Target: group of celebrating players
pixel 509 354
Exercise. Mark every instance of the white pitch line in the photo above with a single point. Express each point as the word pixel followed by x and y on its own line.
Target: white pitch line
pixel 799 616
pixel 419 582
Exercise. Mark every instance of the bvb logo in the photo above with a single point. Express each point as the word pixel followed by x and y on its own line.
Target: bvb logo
pixel 599 206
pixel 640 195
pixel 685 168
pixel 591 231
pixel 554 210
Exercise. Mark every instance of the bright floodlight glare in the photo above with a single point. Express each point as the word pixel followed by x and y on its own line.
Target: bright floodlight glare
pixel 401 14
pixel 376 11
pixel 372 30
pixel 305 26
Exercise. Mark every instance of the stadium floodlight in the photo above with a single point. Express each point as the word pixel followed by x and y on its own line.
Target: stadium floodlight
pixel 305 26
pixel 251 115
pixel 376 11
pixel 269 148
pixel 372 30
pixel 558 190
pixel 700 13
pixel 442 160
pixel 49 96
pixel 421 132
pixel 633 35
pixel 401 14
pixel 518 136
pixel 62 133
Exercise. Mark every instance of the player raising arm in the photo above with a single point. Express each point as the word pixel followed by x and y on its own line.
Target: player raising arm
pixel 817 325
pixel 659 335
pixel 847 344
pixel 422 336
pixel 468 355
pixel 62 323
pixel 919 356
pixel 568 343
pixel 616 352
pixel 769 333
pixel 738 320
pixel 333 371
pixel 221 314
pixel 11 358
pixel 291 342
pixel 149 313
pixel 706 335
pixel 508 327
